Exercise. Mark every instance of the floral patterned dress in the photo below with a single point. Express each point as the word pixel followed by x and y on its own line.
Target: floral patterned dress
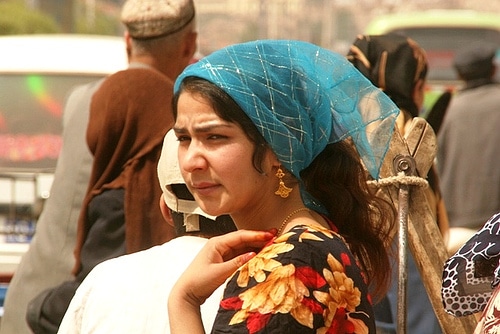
pixel 305 281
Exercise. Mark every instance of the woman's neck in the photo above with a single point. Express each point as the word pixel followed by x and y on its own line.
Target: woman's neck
pixel 275 213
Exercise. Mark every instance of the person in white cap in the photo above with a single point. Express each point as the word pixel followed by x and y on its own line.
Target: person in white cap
pixel 128 294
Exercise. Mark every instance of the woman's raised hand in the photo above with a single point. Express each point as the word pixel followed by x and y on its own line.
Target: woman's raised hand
pixel 216 261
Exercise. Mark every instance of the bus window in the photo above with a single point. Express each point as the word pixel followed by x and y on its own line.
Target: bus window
pixel 31 107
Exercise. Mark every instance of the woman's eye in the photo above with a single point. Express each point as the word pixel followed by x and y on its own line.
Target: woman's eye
pixel 182 138
pixel 216 136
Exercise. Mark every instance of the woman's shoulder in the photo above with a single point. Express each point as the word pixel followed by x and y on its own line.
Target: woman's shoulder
pixel 293 285
pixel 313 236
pixel 304 248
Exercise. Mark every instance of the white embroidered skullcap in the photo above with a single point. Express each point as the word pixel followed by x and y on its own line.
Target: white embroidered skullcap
pixel 155 18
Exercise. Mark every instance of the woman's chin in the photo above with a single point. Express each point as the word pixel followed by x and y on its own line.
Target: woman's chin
pixel 212 210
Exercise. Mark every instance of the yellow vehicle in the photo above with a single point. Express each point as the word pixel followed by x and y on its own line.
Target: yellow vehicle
pixel 441 33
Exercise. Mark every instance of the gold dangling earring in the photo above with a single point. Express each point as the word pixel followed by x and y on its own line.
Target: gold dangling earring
pixel 283 190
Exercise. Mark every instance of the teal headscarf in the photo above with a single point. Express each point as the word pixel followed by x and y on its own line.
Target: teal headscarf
pixel 302 97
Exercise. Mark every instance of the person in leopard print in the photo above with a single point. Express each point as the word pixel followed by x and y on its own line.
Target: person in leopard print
pixel 471 278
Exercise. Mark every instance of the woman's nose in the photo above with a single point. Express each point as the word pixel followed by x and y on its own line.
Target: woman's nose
pixel 191 157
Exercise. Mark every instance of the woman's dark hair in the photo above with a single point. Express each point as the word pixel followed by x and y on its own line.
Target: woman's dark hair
pixel 339 181
pixel 336 178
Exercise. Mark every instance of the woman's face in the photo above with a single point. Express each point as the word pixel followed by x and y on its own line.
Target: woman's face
pixel 215 157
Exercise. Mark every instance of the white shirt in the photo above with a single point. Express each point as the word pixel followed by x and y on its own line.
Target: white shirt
pixel 129 294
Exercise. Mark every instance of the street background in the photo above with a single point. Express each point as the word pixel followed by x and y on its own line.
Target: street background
pixel 332 24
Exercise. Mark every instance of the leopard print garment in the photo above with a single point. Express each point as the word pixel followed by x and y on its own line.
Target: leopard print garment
pixel 489 323
pixel 470 275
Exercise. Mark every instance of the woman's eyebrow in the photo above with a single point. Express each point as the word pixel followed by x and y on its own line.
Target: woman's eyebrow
pixel 202 128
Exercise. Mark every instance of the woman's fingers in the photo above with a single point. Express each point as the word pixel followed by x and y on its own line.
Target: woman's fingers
pixel 239 242
pixel 218 260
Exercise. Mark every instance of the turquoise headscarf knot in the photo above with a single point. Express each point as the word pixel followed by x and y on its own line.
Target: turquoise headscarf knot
pixel 302 97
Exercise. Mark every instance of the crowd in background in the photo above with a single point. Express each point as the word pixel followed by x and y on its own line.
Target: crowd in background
pixel 251 118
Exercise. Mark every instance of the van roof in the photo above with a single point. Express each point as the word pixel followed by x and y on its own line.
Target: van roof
pixel 62 53
pixel 433 18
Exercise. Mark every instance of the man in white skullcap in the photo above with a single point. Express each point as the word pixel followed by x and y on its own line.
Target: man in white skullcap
pixel 161 40
pixel 128 294
pixel 160 34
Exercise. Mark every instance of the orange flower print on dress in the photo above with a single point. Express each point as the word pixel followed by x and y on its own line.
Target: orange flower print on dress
pixel 282 292
pixel 309 235
pixel 341 299
pixel 263 261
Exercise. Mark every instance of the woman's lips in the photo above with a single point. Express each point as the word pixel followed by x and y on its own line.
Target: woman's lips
pixel 205 188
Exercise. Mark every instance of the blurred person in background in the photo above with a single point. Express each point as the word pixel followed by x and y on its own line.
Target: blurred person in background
pixel 468 140
pixel 154 41
pixel 50 257
pixel 130 113
pixel 128 294
pixel 471 279
pixel 398 65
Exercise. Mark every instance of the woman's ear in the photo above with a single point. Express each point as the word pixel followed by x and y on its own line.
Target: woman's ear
pixel 270 162
pixel 273 159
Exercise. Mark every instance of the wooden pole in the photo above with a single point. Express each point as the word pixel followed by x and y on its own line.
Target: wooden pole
pixel 403 200
pixel 424 238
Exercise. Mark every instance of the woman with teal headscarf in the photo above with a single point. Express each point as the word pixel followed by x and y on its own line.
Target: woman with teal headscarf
pixel 272 132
